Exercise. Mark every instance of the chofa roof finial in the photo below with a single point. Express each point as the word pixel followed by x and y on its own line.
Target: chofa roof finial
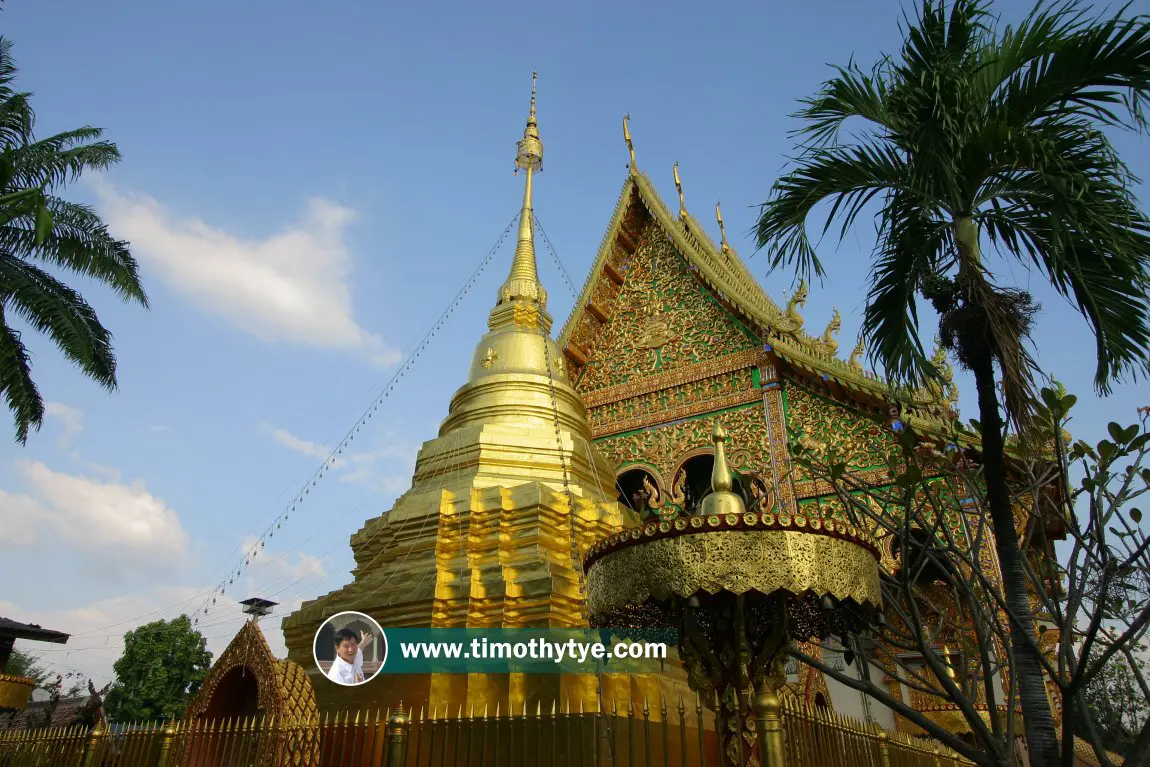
pixel 630 147
pixel 679 189
pixel 726 247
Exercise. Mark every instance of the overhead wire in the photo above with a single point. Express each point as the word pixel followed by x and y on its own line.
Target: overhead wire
pixel 306 584
pixel 576 557
pixel 335 454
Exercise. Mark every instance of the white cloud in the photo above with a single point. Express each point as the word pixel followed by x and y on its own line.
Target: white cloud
pixel 289 287
pixel 396 454
pixel 299 445
pixel 21 518
pixel 113 527
pixel 98 626
pixel 72 419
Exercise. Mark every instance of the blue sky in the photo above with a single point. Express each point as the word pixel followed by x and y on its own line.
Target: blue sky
pixel 306 185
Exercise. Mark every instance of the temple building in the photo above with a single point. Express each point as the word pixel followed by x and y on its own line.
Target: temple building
pixel 552 445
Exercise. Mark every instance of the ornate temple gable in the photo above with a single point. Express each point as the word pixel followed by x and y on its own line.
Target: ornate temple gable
pixel 661 322
pixel 247 679
pixel 282 686
pixel 731 284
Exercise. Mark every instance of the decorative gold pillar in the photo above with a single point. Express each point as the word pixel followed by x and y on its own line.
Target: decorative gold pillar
pixel 397 741
pixel 738 586
pixel 166 739
pixel 769 718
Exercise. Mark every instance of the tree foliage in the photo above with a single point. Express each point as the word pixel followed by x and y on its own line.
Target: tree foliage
pixel 163 663
pixel 979 135
pixel 1117 703
pixel 26 664
pixel 68 684
pixel 947 635
pixel 42 233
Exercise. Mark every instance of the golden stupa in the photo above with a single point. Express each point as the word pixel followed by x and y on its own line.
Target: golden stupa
pixel 503 505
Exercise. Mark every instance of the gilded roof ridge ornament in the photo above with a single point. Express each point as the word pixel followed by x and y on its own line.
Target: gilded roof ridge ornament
pixel 792 320
pixel 679 189
pixel 630 146
pixel 722 499
pixel 856 353
pixel 828 343
pixel 725 248
pixel 523 281
pixel 941 390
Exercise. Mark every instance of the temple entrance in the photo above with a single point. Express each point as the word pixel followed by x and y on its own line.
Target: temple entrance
pixel 635 488
pixel 247 684
pixel 697 481
pixel 237 694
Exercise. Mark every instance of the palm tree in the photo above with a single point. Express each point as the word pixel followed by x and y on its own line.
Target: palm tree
pixel 978 135
pixel 37 229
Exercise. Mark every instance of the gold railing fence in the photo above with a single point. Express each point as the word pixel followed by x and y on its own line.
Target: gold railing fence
pixel 671 736
pixel 815 736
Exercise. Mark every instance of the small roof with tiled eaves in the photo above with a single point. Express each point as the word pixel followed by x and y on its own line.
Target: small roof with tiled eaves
pixel 728 278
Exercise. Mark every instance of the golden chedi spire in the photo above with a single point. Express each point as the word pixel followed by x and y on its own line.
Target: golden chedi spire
pixel 513 453
pixel 523 282
pixel 516 362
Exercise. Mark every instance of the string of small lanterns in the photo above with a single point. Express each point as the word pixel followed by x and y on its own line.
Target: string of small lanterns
pixel 555 258
pixel 333 458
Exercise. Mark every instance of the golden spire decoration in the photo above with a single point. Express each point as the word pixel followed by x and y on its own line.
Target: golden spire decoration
pixel 946 658
pixel 523 282
pixel 726 247
pixel 630 147
pixel 679 188
pixel 723 499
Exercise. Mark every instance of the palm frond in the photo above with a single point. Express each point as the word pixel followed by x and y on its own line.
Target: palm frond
pixel 1071 214
pixel 16 115
pixel 848 177
pixel 1064 63
pixel 852 93
pixel 52 307
pixel 79 241
pixel 16 384
pixel 907 253
pixel 61 159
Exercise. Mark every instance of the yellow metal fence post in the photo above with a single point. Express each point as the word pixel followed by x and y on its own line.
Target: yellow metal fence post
pixel 397 745
pixel 94 751
pixel 166 739
pixel 883 748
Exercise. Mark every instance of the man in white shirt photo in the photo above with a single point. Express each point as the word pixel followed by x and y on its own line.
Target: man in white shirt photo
pixel 347 668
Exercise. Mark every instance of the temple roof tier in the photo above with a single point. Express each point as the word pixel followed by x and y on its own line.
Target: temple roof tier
pixel 781 329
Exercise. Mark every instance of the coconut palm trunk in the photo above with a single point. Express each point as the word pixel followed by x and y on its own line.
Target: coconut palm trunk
pixel 1026 669
pixel 984 337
